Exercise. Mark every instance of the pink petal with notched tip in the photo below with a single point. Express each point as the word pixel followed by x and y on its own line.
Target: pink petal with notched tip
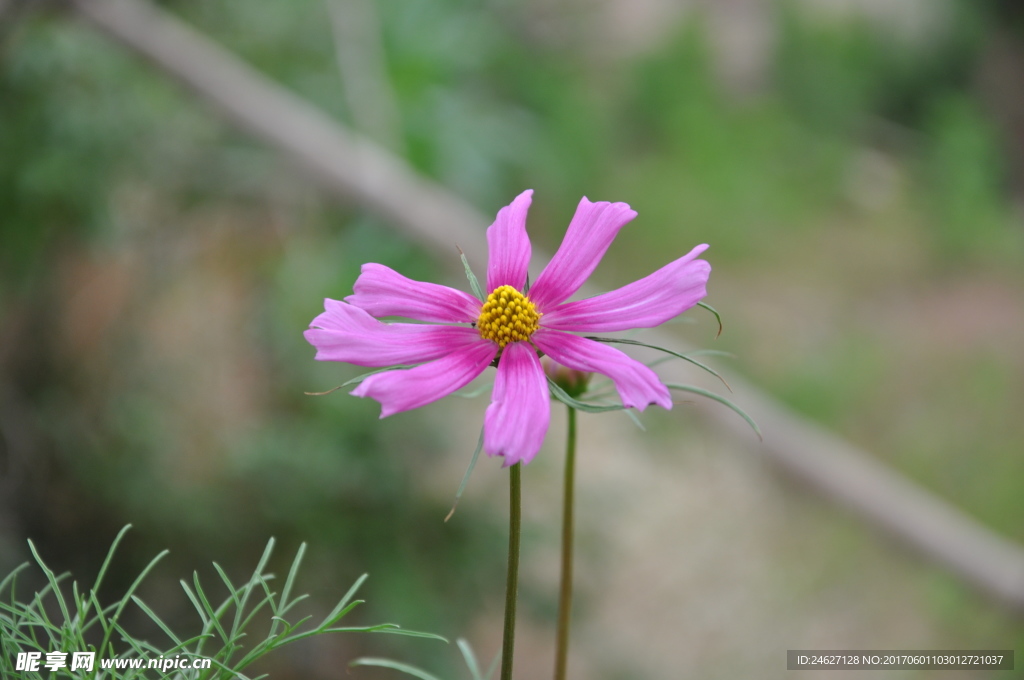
pixel 518 416
pixel 508 245
pixel 591 231
pixel 405 389
pixel 348 333
pixel 638 385
pixel 646 303
pixel 382 291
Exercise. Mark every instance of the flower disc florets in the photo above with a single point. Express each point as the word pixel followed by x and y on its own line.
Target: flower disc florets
pixel 507 316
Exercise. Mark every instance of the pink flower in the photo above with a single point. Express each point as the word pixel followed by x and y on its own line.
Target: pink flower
pixel 463 336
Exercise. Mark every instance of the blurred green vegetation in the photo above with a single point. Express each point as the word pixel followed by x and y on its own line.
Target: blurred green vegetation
pixel 157 268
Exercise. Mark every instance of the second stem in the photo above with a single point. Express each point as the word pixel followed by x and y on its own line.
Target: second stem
pixel 565 589
pixel 512 581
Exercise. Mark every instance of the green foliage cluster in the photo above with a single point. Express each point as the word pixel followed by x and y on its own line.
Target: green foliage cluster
pixel 226 638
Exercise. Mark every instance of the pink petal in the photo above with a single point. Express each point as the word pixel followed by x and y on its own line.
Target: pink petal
pixel 382 291
pixel 637 385
pixel 348 333
pixel 508 245
pixel 651 301
pixel 406 389
pixel 518 417
pixel 592 230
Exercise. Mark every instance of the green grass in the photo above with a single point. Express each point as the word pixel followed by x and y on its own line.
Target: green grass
pixel 63 617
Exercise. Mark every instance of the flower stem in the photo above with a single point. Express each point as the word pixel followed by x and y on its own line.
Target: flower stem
pixel 512 581
pixel 565 589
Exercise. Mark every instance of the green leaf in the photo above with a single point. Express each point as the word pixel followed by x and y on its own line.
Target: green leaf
pixel 474 393
pixel 157 620
pixel 684 357
pixel 474 284
pixel 195 603
pixel 131 591
pixel 718 317
pixel 358 379
pixel 283 607
pixel 493 667
pixel 269 598
pixel 342 607
pixel 636 419
pixel 238 626
pixel 465 477
pixel 691 354
pixel 52 578
pixel 84 612
pixel 212 615
pixel 390 629
pixel 396 666
pixel 722 400
pixel 467 654
pixel 232 591
pixel 10 578
pixel 561 395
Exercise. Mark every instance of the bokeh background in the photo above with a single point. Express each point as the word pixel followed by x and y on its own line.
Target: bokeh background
pixel 856 165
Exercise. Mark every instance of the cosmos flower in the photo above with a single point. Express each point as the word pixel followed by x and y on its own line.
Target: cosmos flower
pixel 458 336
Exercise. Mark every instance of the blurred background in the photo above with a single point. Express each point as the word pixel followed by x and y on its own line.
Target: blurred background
pixel 856 165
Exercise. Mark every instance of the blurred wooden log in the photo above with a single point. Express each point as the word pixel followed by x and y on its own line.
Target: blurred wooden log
pixel 363 172
pixel 358 46
pixel 342 162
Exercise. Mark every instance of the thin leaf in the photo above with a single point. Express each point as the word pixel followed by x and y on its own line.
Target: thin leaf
pixel 391 629
pixel 636 419
pixel 10 578
pixel 324 393
pixel 84 610
pixel 298 599
pixel 255 610
pixel 213 616
pixel 711 353
pixel 101 612
pixel 465 477
pixel 694 353
pixel 474 284
pixel 722 400
pixel 236 673
pixel 232 591
pixel 395 666
pixel 357 379
pixel 110 556
pixel 467 654
pixel 684 357
pixel 718 317
pixel 340 609
pixel 253 582
pixel 474 393
pixel 561 395
pixel 52 578
pixel 156 619
pixel 195 603
pixel 287 590
pixel 131 590
pixel 494 666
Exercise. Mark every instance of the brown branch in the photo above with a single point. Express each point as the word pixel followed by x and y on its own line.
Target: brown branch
pixel 349 165
pixel 342 162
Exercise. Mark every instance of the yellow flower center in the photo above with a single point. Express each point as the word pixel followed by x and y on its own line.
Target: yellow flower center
pixel 507 316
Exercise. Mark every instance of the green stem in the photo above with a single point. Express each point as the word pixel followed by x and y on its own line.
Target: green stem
pixel 512 582
pixel 565 590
